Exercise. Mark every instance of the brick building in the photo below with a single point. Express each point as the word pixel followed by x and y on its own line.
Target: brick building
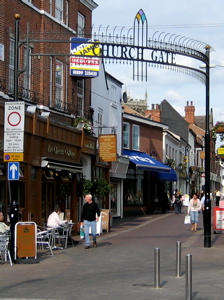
pixel 56 154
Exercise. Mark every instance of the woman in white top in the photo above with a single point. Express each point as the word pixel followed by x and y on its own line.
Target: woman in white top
pixel 194 207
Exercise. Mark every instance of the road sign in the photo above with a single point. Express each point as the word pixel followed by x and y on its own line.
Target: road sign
pixel 13 171
pixel 14 116
pixel 13 142
pixel 13 156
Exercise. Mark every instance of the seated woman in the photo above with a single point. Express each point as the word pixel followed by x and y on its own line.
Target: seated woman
pixel 3 227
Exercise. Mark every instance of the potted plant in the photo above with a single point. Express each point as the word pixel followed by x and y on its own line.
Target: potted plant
pixel 84 123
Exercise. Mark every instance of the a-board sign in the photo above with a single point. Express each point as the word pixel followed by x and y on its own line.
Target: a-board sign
pixel 25 240
pixel 105 215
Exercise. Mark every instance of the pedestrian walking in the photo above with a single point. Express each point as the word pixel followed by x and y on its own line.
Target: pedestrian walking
pixel 90 215
pixel 203 207
pixel 178 202
pixel 194 208
pixel 217 196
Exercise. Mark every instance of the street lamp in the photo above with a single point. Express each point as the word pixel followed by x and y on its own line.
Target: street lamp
pixel 207 204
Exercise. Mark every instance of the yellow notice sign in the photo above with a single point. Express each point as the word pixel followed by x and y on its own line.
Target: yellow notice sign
pixel 13 156
pixel 108 147
pixel 220 151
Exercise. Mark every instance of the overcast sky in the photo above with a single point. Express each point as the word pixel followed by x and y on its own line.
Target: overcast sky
pixel 201 20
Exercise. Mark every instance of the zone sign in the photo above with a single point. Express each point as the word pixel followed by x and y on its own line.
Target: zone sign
pixel 14 116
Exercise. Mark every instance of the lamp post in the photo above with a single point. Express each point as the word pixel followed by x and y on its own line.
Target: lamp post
pixel 207 204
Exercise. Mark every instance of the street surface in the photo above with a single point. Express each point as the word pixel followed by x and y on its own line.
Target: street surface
pixel 122 266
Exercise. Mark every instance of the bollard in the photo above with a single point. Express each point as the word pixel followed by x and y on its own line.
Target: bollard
pixel 157 268
pixel 188 287
pixel 178 259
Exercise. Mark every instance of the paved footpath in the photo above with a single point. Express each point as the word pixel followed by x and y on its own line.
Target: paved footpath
pixel 122 266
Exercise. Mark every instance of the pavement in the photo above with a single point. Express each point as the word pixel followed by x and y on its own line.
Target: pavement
pixel 123 265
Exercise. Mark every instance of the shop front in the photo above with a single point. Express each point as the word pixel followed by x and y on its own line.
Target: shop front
pixel 50 170
pixel 145 179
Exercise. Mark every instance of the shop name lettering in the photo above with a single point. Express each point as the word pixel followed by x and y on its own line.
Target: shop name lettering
pixel 63 152
pixel 137 53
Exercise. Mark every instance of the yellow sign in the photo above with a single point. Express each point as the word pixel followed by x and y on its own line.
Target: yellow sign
pixel 108 147
pixel 13 156
pixel 220 150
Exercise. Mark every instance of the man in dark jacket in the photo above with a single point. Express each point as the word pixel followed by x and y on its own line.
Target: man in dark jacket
pixel 90 215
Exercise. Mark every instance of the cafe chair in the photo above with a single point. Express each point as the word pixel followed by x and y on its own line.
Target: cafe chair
pixel 4 251
pixel 44 238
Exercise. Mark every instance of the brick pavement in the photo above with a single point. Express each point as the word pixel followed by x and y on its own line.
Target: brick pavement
pixel 123 265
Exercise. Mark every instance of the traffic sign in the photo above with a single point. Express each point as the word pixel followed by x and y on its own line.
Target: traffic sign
pixel 13 171
pixel 14 116
pixel 13 156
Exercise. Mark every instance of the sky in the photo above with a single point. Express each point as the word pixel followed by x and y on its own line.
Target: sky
pixel 201 20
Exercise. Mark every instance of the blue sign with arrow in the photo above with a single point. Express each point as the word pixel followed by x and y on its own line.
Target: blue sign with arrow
pixel 13 171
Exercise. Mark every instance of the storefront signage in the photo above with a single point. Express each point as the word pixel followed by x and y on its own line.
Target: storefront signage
pixel 220 151
pixel 84 61
pixel 60 151
pixel 108 147
pixel 25 233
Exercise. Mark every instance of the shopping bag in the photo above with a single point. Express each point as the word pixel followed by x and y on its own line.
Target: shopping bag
pixel 187 219
pixel 82 232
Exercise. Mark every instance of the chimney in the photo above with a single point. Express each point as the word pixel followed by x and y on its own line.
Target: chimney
pixel 189 112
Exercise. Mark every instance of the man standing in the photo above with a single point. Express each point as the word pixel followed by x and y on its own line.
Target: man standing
pixel 217 196
pixel 89 212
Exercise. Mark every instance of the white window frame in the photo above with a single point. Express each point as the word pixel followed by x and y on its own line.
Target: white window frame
pixel 59 10
pixel 26 75
pixel 67 14
pixel 11 66
pixel 58 84
pixel 81 25
pixel 126 135
pixel 135 137
pixel 80 97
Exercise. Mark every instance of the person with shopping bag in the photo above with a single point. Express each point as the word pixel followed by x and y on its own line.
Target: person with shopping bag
pixel 194 207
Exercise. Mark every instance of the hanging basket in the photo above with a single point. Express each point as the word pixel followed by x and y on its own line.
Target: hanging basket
pixel 219 129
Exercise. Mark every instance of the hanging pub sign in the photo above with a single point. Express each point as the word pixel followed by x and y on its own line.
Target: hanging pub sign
pixel 84 60
pixel 108 147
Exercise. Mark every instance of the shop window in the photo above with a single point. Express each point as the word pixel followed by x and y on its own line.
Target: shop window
pixel 2 170
pixel 33 173
pixel 48 174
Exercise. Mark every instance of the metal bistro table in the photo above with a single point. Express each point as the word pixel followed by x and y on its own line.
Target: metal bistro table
pixel 61 233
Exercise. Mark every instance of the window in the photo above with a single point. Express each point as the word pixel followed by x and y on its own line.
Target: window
pixel 135 137
pixel 67 6
pixel 126 133
pixel 26 75
pixel 80 97
pixel 81 25
pixel 59 10
pixel 11 66
pixel 58 85
pixel 100 121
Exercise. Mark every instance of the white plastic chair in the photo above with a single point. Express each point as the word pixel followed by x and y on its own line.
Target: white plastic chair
pixel 43 238
pixel 4 251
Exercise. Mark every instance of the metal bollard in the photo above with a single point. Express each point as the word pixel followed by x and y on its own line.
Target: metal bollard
pixel 157 268
pixel 188 287
pixel 178 259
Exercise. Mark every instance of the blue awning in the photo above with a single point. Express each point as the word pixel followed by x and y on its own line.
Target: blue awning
pixel 171 176
pixel 146 162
